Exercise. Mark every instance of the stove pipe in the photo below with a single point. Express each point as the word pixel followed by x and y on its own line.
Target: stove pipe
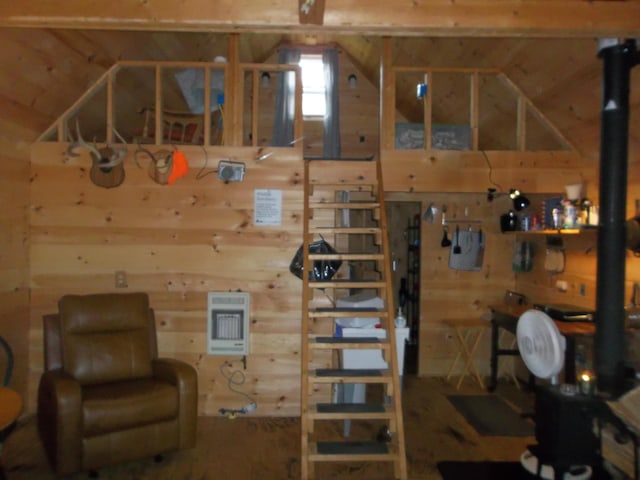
pixel 618 58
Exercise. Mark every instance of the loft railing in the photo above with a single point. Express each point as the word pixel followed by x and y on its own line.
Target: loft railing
pixel 231 107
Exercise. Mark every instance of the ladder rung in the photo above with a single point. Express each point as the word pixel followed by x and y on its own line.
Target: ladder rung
pixel 351 375
pixel 346 283
pixel 348 205
pixel 346 256
pixel 354 340
pixel 347 312
pixel 355 343
pixel 350 230
pixel 351 451
pixel 345 411
pixel 349 372
pixel 347 186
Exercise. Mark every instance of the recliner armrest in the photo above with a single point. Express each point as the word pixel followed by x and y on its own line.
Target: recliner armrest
pixel 184 377
pixel 60 420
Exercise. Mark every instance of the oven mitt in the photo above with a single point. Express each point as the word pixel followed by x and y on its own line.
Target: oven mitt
pixel 554 260
pixel 180 167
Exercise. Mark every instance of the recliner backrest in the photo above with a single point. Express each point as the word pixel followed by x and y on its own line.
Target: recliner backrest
pixel 107 337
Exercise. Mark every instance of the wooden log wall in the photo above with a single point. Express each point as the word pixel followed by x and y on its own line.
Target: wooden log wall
pixel 177 243
pixel 14 239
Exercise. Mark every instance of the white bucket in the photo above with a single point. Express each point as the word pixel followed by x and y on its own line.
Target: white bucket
pixel 573 191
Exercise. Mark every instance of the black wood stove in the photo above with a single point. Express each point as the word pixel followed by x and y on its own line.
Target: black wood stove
pixel 566 429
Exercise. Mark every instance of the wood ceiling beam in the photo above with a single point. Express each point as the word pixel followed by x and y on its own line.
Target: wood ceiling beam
pixel 311 11
pixel 550 18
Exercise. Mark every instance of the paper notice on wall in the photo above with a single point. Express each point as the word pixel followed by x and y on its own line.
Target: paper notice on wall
pixel 267 207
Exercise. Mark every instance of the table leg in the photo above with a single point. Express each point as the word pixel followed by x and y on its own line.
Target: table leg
pixel 570 360
pixel 463 348
pixel 470 367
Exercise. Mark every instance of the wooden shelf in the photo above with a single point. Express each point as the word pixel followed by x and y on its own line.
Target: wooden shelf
pixel 553 231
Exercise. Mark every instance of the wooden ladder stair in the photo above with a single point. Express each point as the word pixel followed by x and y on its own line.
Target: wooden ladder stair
pixel 327 182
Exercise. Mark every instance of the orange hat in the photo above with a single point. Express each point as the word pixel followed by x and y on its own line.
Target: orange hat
pixel 180 167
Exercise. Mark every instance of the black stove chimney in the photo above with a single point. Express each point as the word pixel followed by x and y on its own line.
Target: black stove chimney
pixel 618 58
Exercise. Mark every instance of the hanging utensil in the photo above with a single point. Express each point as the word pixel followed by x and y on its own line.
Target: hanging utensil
pixel 445 238
pixel 480 255
pixel 457 249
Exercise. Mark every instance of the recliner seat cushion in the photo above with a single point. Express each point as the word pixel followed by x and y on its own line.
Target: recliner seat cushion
pixel 112 407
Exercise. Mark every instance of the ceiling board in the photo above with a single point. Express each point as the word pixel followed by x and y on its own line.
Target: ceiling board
pixel 401 17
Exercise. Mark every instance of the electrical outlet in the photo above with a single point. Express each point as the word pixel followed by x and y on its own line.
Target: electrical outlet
pixel 121 279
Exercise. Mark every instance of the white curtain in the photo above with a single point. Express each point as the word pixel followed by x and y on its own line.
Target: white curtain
pixel 285 99
pixel 331 140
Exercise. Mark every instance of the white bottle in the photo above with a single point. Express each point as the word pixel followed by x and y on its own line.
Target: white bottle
pixel 400 321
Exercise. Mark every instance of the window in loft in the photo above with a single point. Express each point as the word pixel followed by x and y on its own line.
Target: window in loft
pixel 313 86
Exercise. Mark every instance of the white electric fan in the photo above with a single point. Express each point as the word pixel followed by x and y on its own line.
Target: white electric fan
pixel 542 347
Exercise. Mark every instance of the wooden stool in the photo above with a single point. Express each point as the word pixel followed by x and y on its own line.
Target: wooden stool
pixel 469 332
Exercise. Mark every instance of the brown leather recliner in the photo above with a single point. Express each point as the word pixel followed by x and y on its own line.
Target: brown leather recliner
pixel 105 397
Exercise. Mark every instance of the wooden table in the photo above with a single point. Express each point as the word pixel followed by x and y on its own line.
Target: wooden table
pixel 10 408
pixel 506 317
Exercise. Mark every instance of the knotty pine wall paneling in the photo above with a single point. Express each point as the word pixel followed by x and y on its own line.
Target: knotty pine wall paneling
pixel 177 243
pixel 14 268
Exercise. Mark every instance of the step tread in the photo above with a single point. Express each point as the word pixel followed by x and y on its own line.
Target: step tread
pixel 348 205
pixel 367 340
pixel 345 229
pixel 352 448
pixel 349 372
pixel 347 312
pixel 346 283
pixel 346 256
pixel 353 408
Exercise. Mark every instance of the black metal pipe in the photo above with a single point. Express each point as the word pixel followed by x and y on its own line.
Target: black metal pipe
pixel 609 349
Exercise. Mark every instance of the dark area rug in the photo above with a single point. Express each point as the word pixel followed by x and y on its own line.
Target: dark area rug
pixel 490 415
pixel 483 471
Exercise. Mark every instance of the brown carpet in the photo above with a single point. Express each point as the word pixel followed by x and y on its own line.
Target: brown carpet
pixel 269 448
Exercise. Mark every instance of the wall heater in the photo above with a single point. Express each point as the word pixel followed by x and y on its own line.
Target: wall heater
pixel 228 323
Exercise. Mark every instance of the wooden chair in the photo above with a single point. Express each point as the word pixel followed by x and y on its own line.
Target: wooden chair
pixel 180 127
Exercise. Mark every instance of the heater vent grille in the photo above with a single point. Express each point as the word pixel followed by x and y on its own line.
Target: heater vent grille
pixel 228 323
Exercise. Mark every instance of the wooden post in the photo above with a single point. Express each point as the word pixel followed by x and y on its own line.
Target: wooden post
pixel 159 129
pixel 475 109
pixel 234 85
pixel 207 106
pixel 428 104
pixel 387 97
pixel 521 131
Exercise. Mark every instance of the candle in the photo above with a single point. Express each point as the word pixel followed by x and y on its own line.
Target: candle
pixel 586 383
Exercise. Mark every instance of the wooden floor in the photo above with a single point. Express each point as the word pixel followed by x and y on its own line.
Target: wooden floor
pixel 268 448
